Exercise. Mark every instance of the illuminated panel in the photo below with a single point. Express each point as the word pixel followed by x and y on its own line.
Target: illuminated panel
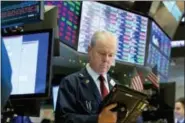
pixel 68 21
pixel 177 44
pixel 155 57
pixel 161 40
pixel 129 28
pixel 159 51
pixel 18 13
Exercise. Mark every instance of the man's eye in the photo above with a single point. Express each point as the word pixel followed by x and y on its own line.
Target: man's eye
pixel 102 54
pixel 110 55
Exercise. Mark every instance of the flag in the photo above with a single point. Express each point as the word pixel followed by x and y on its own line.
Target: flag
pixel 153 77
pixel 136 82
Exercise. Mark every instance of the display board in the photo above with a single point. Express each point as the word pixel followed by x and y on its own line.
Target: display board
pixel 159 51
pixel 129 28
pixel 30 56
pixel 68 21
pixel 15 13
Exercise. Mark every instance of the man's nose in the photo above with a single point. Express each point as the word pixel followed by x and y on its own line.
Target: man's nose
pixel 105 58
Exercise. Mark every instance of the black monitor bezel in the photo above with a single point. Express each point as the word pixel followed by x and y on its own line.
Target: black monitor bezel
pixel 46 94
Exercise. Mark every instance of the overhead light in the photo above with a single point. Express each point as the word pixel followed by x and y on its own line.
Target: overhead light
pixel 183 19
pixel 179 43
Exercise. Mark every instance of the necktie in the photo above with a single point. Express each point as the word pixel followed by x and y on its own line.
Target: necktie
pixel 103 88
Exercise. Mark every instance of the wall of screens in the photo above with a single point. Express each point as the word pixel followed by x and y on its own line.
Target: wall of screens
pixel 129 28
pixel 68 21
pixel 159 51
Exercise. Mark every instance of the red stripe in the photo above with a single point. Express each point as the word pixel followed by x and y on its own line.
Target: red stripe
pixel 153 78
pixel 153 82
pixel 137 83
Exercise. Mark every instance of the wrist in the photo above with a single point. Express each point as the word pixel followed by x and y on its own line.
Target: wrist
pixel 99 118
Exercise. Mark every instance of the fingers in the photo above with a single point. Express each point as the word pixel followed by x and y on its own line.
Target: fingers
pixel 109 107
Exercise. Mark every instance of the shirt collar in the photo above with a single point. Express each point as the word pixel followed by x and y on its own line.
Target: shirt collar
pixel 180 121
pixel 93 74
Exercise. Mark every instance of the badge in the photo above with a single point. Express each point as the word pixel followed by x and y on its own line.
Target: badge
pixel 87 81
pixel 112 82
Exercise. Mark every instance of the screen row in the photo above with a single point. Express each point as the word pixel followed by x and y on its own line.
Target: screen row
pixel 79 20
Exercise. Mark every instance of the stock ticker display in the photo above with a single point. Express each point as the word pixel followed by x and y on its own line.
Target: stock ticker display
pixel 129 28
pixel 161 40
pixel 155 57
pixel 20 12
pixel 68 21
pixel 159 51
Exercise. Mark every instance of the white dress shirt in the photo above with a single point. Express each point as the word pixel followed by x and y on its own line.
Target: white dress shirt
pixel 95 76
pixel 180 121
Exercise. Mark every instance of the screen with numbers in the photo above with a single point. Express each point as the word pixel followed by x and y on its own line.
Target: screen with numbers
pixel 68 21
pixel 129 28
pixel 160 39
pixel 156 57
pixel 159 51
pixel 16 13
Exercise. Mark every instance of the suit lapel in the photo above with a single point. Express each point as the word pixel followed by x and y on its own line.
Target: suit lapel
pixel 88 82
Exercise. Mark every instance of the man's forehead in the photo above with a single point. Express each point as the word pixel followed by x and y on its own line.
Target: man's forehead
pixel 105 49
pixel 106 42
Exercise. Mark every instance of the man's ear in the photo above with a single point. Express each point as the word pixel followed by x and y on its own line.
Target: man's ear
pixel 89 52
pixel 89 49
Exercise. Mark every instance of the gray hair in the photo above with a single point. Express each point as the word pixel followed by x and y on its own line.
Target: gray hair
pixel 101 35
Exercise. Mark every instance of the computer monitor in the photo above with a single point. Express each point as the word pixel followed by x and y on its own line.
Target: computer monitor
pixel 55 95
pixel 68 21
pixel 129 28
pixel 30 56
pixel 15 13
pixel 159 50
pixel 167 95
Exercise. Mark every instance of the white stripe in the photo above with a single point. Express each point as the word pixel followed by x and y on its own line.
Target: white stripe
pixel 137 83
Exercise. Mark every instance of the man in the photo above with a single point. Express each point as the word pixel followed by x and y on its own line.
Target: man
pixel 81 93
pixel 179 110
pixel 5 76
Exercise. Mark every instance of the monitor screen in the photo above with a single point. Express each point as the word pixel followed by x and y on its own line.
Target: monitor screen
pixel 29 54
pixel 155 57
pixel 15 13
pixel 159 51
pixel 55 95
pixel 68 21
pixel 160 40
pixel 129 28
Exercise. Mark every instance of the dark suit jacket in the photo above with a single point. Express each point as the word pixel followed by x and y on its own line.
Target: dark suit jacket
pixel 78 99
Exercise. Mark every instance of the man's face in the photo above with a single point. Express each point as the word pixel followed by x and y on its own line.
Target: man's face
pixel 101 56
pixel 179 110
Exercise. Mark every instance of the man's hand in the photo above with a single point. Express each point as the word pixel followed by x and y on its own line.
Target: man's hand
pixel 107 116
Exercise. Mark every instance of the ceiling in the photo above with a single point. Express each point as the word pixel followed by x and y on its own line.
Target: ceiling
pixel 164 18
